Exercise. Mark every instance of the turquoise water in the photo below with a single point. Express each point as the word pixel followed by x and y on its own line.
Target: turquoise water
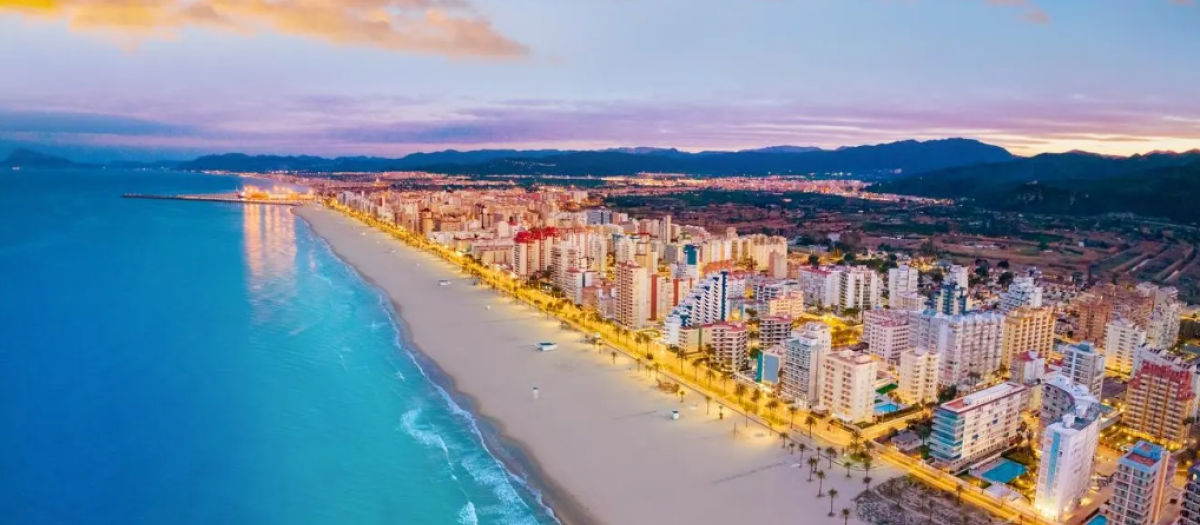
pixel 1099 519
pixel 1005 472
pixel 190 363
pixel 886 407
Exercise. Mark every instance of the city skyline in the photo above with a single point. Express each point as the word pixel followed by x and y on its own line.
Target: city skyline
pixel 166 79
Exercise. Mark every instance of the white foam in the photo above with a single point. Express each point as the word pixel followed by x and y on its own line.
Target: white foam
pixel 466 515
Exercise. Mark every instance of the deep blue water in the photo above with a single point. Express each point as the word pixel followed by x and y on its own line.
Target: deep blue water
pixel 191 363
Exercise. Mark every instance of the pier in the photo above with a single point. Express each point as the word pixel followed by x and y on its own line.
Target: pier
pixel 227 198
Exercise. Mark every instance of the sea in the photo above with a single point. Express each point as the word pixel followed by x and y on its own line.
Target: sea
pixel 175 363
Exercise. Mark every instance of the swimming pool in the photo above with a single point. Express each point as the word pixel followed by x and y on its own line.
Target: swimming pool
pixel 1004 472
pixel 886 407
pixel 1098 519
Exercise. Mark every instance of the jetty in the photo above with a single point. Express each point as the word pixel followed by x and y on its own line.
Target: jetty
pixel 226 198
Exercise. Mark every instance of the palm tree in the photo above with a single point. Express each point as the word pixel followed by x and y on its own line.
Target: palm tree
pixel 812 466
pixel 639 364
pixel 792 415
pixel 739 391
pixel 707 404
pixel 614 357
pixel 829 452
pixel 696 364
pixel 832 496
pixel 709 374
pixel 847 462
pixel 845 516
pixel 820 483
pixel 866 461
pixel 855 438
pixel 810 421
pixel 802 448
pixel 867 482
pixel 771 406
pixel 755 397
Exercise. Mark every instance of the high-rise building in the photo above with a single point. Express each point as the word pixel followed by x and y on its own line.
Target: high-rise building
pixel 958 275
pixel 1189 513
pixel 968 346
pixel 729 342
pixel 633 295
pixel 1093 312
pixel 807 347
pixel 858 287
pixel 1022 292
pixel 901 280
pixel 1029 369
pixel 1061 396
pixel 951 299
pixel 820 287
pixel 1138 485
pixel 774 330
pixel 848 386
pixel 1027 328
pixel 1160 398
pixel 918 377
pixel 1068 452
pixel 1121 340
pixel 1162 327
pixel 1084 364
pixel 706 302
pixel 909 302
pixel 976 426
pixel 886 334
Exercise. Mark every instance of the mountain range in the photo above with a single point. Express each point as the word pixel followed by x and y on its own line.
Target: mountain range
pixel 1074 183
pixel 897 157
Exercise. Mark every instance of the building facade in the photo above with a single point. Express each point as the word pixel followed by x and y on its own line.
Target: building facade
pixel 918 377
pixel 1138 485
pixel 1027 328
pixel 976 427
pixel 807 347
pixel 848 386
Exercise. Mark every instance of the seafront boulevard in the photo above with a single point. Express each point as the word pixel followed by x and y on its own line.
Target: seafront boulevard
pixel 787 425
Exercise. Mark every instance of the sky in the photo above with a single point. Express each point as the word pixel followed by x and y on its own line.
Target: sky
pixel 143 79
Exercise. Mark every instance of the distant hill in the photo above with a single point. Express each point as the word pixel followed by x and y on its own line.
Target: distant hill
pixel 906 156
pixel 26 158
pixel 782 149
pixel 1075 183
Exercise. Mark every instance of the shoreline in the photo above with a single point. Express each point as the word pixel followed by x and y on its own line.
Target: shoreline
pixel 599 446
pixel 511 452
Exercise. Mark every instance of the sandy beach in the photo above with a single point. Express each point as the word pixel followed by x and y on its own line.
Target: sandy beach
pixel 598 433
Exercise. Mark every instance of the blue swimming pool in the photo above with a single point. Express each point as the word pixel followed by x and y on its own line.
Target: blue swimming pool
pixel 1004 472
pixel 886 408
pixel 1098 519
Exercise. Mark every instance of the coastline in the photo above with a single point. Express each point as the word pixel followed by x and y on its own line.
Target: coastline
pixel 508 450
pixel 603 451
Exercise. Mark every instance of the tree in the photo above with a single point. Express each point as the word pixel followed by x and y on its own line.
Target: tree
pixel 771 406
pixel 812 466
pixel 739 391
pixel 845 516
pixel 867 482
pixel 829 453
pixel 833 493
pixel 614 357
pixel 707 404
pixel 1005 279
pixel 792 415
pixel 847 462
pixel 803 448
pixel 820 483
pixel 809 420
pixel 814 260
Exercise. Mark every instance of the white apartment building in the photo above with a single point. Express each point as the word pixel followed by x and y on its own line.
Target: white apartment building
pixel 1022 292
pixel 977 426
pixel 909 302
pixel 790 304
pixel 966 344
pixel 1162 330
pixel 886 334
pixel 902 280
pixel 820 287
pixel 1122 338
pixel 1068 453
pixel 918 377
pixel 1084 364
pixel 807 347
pixel 706 302
pixel 633 296
pixel 848 386
pixel 858 287
pixel 1139 485
pixel 959 275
